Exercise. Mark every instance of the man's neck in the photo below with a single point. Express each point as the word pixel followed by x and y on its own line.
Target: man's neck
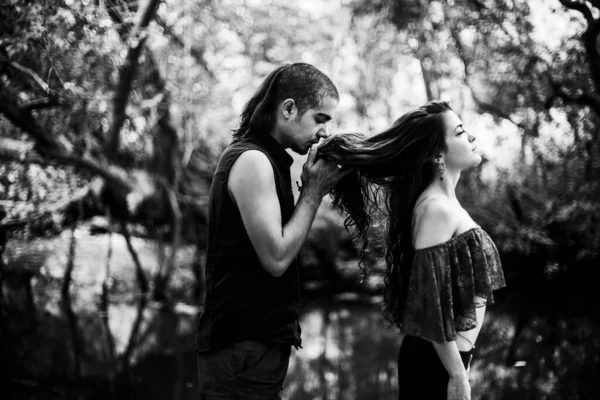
pixel 278 136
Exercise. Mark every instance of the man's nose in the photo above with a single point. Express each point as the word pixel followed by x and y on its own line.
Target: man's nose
pixel 323 133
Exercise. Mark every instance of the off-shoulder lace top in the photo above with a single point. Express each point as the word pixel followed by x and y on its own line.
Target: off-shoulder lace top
pixel 445 280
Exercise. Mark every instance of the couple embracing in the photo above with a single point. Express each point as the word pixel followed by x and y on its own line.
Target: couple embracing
pixel 441 266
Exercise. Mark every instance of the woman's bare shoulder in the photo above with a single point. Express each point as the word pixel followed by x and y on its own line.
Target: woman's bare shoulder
pixel 436 222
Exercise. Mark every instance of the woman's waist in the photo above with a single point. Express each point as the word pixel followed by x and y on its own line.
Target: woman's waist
pixel 468 328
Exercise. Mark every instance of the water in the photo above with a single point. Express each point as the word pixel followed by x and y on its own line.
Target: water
pixel 348 350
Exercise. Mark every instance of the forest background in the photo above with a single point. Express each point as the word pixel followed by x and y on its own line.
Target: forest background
pixel 113 115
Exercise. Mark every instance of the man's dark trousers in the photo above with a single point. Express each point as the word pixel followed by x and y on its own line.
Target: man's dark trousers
pixel 244 370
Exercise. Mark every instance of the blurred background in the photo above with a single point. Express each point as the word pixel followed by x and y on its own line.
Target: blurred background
pixel 113 114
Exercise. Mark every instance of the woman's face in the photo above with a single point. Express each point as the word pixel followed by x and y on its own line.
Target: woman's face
pixel 461 147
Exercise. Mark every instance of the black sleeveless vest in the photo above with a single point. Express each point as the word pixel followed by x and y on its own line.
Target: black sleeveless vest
pixel 243 301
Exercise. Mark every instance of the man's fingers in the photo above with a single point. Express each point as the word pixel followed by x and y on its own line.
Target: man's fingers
pixel 338 169
pixel 312 154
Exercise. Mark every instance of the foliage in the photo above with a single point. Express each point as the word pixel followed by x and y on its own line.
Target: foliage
pixel 116 109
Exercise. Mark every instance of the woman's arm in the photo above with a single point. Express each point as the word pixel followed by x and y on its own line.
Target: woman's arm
pixel 436 223
pixel 458 386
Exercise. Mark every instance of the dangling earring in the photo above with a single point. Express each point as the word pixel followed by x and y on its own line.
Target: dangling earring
pixel 441 167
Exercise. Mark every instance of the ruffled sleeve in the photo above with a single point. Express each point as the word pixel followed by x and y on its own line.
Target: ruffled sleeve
pixel 444 281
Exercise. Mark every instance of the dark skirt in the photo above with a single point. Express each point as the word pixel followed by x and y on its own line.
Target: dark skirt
pixel 421 374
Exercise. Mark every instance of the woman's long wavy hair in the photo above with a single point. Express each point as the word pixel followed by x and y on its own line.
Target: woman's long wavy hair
pixel 392 169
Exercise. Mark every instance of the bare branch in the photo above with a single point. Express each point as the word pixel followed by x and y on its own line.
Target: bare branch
pixel 141 277
pixel 61 151
pixel 172 167
pixel 24 120
pixel 589 38
pixel 163 278
pixel 165 134
pixel 483 106
pixel 133 186
pixel 34 77
pixel 62 207
pixel 583 100
pixel 127 72
pixel 492 109
pixel 115 9
pixel 38 104
pixel 143 284
pixel 67 306
pixel 146 14
pixel 103 306
pixel 113 175
pixel 195 51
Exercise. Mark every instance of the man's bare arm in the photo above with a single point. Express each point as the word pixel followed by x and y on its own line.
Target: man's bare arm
pixel 252 185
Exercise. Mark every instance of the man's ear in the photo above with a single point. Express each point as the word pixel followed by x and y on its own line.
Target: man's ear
pixel 289 108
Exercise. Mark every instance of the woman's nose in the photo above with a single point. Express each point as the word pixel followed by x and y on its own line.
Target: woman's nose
pixel 471 138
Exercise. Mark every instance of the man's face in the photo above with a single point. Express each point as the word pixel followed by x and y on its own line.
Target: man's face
pixel 306 129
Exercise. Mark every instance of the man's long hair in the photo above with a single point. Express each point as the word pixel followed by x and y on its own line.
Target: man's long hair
pixel 392 169
pixel 303 83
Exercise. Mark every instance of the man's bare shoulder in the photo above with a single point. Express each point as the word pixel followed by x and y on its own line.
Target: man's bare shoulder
pixel 252 164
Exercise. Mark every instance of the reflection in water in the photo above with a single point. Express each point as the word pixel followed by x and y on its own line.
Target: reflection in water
pixel 348 350
pixel 350 353
pixel 346 354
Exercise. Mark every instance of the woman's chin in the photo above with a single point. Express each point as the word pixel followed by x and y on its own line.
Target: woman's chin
pixel 477 159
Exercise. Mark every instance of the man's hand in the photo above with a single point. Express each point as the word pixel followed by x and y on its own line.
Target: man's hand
pixel 320 176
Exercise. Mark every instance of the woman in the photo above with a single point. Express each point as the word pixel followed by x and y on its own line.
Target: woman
pixel 441 266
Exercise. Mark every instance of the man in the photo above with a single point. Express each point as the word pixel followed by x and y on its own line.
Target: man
pixel 250 321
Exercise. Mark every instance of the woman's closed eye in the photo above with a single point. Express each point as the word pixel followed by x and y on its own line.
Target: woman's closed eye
pixel 459 130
